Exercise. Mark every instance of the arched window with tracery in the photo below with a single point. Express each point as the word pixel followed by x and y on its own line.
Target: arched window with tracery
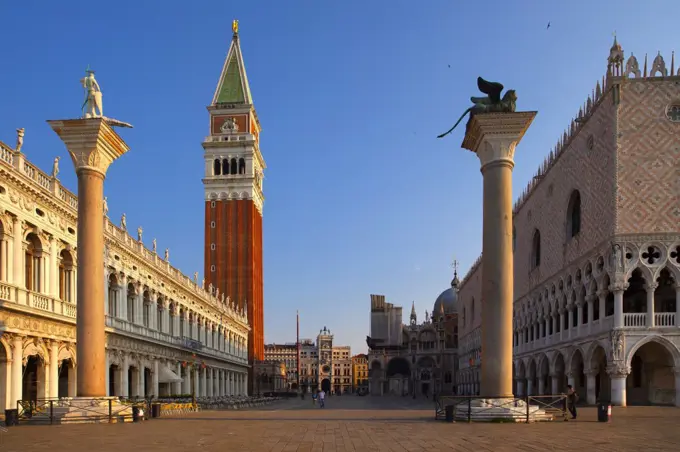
pixel 574 215
pixel 131 295
pixel 536 250
pixel 66 276
pixel 32 262
pixel 113 295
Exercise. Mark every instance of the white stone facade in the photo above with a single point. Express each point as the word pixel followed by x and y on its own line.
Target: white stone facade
pixel 159 322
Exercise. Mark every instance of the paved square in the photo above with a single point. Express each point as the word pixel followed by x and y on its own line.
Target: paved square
pixel 352 423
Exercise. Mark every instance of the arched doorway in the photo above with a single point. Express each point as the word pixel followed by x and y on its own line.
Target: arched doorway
pixel 67 378
pixel 577 370
pixel 398 373
pixel 532 381
pixel 651 380
pixel 31 378
pixel 326 385
pixel 375 380
pixel 425 373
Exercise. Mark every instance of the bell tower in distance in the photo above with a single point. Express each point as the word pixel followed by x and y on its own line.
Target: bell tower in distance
pixel 234 171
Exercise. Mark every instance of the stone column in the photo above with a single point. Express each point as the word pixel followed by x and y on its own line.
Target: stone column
pixel 53 263
pixel 602 299
pixel 555 384
pixel 618 375
pixel 530 387
pixel 18 253
pixel 650 288
pixel 178 385
pixel 493 137
pixel 677 307
pixel 618 290
pixel 590 387
pixel 125 383
pixel 154 377
pixel 17 370
pixel 520 387
pixel 93 146
pixel 677 386
pixel 54 370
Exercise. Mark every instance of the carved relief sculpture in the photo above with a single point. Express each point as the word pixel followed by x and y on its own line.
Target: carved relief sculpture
pixel 617 345
pixel 229 126
pixel 20 139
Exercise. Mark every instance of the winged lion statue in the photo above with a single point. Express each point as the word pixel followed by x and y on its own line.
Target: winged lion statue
pixel 491 103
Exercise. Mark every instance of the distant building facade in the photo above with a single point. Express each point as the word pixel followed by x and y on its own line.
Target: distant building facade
pixel 359 371
pixel 418 358
pixel 324 365
pixel 596 241
pixel 286 354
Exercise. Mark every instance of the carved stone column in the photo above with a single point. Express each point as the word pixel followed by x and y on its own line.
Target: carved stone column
pixel 650 288
pixel 54 370
pixel 93 146
pixel 17 369
pixel 591 395
pixel 18 253
pixel 618 373
pixel 618 288
pixel 493 137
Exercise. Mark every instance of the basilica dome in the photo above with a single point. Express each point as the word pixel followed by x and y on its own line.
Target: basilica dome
pixel 449 299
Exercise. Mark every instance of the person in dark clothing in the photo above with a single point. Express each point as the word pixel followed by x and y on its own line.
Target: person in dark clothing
pixel 572 398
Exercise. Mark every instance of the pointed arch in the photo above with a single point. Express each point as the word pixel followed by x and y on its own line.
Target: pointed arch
pixel 661 340
pixel 573 215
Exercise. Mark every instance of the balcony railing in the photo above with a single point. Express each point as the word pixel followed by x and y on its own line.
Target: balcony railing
pixel 19 297
pixel 664 319
pixel 635 319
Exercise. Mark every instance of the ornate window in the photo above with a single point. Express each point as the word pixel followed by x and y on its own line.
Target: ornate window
pixel 536 250
pixel 574 215
pixel 131 295
pixel 673 112
pixel 33 259
pixel 66 276
pixel 113 295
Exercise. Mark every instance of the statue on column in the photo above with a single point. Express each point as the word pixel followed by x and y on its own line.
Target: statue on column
pixel 20 140
pixel 154 245
pixel 195 273
pixel 123 222
pixel 491 103
pixel 93 96
pixel 55 167
pixel 106 207
pixel 139 233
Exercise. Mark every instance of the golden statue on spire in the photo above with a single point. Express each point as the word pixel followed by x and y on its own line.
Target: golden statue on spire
pixel 234 26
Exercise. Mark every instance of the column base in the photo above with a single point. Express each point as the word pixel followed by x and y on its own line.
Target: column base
pixel 507 410
pixel 80 410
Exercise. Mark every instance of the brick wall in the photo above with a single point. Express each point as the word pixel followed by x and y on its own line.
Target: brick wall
pixel 591 171
pixel 649 157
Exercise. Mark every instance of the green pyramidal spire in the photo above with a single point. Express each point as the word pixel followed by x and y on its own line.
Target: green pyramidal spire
pixel 233 86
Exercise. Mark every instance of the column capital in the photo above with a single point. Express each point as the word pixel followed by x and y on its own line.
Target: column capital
pixel 651 287
pixel 618 286
pixel 494 136
pixel 92 143
pixel 618 370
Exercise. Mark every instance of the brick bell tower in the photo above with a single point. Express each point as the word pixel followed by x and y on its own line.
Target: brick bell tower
pixel 234 170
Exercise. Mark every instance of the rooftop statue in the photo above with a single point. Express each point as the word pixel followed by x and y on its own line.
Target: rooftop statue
pixel 93 96
pixel 491 103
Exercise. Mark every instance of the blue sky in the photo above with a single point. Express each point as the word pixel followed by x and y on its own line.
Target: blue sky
pixel 361 197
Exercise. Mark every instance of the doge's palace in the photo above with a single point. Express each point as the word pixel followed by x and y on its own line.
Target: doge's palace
pixel 164 331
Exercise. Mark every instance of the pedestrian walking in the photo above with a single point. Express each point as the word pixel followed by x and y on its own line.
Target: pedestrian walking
pixel 322 399
pixel 314 396
pixel 572 398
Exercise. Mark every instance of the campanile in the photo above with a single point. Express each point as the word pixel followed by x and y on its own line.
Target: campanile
pixel 234 171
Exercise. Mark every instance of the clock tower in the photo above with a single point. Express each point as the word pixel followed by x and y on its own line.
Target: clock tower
pixel 234 171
